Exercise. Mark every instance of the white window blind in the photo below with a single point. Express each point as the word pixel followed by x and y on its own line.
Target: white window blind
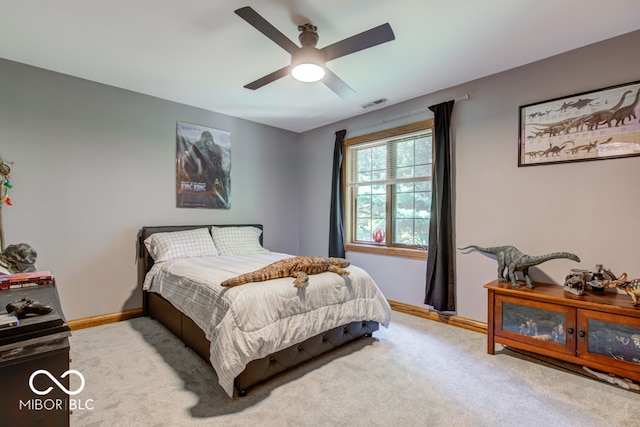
pixel 393 161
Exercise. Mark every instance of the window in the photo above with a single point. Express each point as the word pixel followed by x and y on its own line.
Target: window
pixel 388 190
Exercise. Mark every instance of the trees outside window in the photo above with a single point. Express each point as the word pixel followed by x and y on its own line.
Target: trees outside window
pixel 388 180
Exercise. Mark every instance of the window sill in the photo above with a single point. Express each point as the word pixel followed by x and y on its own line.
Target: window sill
pixel 384 250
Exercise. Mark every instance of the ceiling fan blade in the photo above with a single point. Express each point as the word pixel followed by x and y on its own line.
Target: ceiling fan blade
pixel 337 85
pixel 269 78
pixel 373 37
pixel 262 25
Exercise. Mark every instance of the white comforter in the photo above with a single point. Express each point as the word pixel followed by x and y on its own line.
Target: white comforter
pixel 250 321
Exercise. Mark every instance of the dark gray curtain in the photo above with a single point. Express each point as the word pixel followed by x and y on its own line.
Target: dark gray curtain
pixel 336 222
pixel 440 290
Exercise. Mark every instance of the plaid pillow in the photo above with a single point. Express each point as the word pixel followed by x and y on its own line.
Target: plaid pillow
pixel 237 240
pixel 180 244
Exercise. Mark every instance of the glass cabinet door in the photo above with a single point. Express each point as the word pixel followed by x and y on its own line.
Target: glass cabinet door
pixel 609 338
pixel 543 325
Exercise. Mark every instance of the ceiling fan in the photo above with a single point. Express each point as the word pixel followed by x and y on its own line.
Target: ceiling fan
pixel 307 61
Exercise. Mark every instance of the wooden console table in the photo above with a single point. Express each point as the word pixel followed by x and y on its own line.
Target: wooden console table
pixel 597 330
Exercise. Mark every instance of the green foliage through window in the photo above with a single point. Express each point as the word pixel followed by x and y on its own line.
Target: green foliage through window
pixel 389 189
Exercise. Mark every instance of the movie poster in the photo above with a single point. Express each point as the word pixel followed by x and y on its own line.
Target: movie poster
pixel 203 166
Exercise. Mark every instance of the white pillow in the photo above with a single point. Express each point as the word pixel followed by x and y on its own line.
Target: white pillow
pixel 180 244
pixel 237 240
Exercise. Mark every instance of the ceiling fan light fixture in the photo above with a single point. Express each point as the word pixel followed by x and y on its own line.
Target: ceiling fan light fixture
pixel 307 61
pixel 307 72
pixel 307 65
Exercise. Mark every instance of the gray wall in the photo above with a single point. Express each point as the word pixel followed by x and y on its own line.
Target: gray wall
pixel 588 208
pixel 94 163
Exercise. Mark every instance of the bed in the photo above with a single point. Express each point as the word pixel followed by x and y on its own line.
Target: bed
pixel 252 332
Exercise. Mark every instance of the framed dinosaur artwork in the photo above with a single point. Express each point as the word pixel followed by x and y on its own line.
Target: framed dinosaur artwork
pixel 596 125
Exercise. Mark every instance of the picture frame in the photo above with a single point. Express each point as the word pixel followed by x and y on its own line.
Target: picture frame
pixel 595 125
pixel 203 167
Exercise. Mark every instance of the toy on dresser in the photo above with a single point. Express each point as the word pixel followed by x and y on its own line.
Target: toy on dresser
pixel 631 287
pixel 578 280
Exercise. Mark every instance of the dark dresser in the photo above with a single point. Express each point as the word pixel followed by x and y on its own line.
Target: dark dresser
pixel 32 355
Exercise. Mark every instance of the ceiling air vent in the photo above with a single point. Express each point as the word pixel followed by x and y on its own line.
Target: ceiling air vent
pixel 375 104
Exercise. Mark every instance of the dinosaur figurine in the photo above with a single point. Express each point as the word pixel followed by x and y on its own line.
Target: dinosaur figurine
pixel 299 267
pixel 511 259
pixel 631 288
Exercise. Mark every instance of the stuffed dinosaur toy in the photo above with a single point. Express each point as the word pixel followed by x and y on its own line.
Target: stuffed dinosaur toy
pixel 299 267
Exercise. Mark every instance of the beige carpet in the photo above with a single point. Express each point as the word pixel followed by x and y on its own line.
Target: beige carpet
pixel 416 373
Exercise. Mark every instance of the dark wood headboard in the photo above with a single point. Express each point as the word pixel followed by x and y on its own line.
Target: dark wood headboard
pixel 145 262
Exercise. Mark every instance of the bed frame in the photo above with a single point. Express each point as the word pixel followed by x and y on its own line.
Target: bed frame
pixel 193 337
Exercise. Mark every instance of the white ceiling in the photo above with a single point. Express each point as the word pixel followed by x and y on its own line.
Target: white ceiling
pixel 200 53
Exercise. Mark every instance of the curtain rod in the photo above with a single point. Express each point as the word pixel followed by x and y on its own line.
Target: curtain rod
pixel 412 113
